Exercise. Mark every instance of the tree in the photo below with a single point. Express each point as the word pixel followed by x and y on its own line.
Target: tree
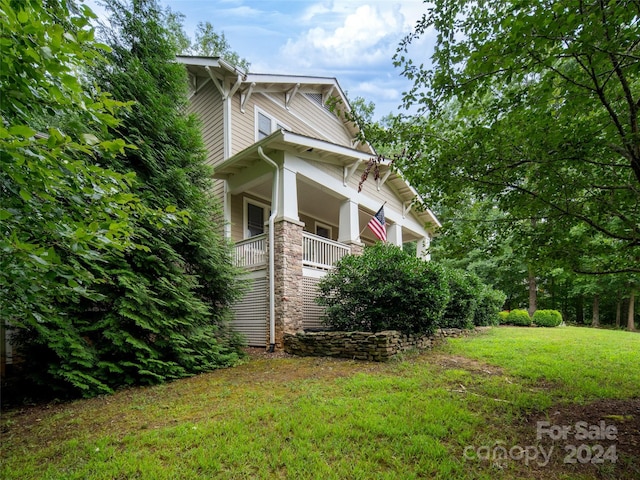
pixel 164 310
pixel 536 105
pixel 61 211
pixel 212 44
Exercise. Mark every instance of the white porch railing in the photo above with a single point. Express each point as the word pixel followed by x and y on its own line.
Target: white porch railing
pixel 320 252
pixel 251 252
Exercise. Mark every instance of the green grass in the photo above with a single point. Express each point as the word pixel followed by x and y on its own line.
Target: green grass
pixel 302 418
pixel 587 364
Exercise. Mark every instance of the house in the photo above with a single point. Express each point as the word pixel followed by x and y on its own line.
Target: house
pixel 287 170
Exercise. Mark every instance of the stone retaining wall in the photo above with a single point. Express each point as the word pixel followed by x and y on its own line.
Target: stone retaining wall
pixel 378 347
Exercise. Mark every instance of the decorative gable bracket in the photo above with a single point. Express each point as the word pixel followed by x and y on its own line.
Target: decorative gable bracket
pixel 288 96
pixel 349 170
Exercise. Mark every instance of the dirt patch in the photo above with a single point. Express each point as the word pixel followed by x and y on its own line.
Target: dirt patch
pixel 464 363
pixel 599 440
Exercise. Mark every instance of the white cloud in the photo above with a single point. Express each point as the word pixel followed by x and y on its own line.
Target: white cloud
pixel 371 89
pixel 366 36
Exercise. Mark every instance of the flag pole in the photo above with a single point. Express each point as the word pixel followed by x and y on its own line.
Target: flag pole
pixel 367 225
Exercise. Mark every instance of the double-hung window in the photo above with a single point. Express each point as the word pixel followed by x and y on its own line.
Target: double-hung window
pixel 266 125
pixel 255 216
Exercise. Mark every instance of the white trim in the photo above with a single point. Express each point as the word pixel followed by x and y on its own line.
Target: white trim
pixel 245 214
pixel 323 225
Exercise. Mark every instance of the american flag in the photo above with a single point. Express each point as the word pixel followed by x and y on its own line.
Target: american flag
pixel 377 225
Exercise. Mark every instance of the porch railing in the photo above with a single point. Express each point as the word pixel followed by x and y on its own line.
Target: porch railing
pixel 320 252
pixel 317 252
pixel 251 252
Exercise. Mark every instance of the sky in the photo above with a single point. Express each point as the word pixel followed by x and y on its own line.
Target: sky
pixel 351 40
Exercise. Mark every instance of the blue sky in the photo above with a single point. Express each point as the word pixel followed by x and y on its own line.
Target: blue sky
pixel 352 40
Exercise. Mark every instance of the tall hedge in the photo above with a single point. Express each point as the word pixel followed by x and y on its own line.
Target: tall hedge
pixel 159 311
pixel 384 289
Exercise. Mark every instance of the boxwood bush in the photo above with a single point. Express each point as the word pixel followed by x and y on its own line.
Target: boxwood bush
pixel 547 318
pixel 502 317
pixel 384 289
pixel 519 317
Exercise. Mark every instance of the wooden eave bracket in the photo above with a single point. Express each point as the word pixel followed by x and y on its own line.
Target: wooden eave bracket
pixel 406 208
pixel 349 170
pixel 288 96
pixel 216 81
pixel 246 95
pixel 327 94
pixel 382 180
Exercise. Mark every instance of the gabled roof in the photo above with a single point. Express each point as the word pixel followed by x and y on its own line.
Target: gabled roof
pixel 246 83
pixel 326 152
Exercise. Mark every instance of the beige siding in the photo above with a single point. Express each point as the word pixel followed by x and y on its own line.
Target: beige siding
pixel 207 104
pixel 310 225
pixel 304 117
pixel 237 230
pixel 237 214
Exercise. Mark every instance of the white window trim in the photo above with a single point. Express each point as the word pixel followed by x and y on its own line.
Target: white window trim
pixel 275 123
pixel 245 214
pixel 323 225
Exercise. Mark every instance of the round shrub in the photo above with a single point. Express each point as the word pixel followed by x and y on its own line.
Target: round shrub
pixel 519 317
pixel 502 317
pixel 384 289
pixel 462 302
pixel 547 318
pixel 490 301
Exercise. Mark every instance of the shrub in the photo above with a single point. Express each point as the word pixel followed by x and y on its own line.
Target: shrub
pixel 384 289
pixel 490 301
pixel 464 293
pixel 547 318
pixel 519 317
pixel 502 317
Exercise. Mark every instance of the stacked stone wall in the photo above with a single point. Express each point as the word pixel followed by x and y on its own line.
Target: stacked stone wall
pixel 379 347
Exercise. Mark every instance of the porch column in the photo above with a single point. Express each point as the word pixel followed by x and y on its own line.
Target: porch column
pixel 288 196
pixel 423 248
pixel 288 279
pixel 349 227
pixel 394 234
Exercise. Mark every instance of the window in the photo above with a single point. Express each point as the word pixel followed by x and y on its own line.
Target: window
pixel 255 216
pixel 255 220
pixel 323 230
pixel 266 125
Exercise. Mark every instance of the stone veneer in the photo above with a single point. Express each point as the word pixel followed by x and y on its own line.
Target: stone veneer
pixel 288 279
pixel 380 346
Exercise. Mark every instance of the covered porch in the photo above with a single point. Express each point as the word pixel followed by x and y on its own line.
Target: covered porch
pixel 306 192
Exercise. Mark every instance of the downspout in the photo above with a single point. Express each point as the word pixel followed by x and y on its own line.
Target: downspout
pixel 274 211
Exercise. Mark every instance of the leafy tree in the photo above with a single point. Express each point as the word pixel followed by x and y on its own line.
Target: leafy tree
pixel 534 104
pixel 212 44
pixel 61 211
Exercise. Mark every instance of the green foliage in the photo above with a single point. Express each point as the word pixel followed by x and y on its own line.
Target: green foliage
pixel 62 212
pixel 547 318
pixel 518 317
pixel 536 106
pixel 384 289
pixel 108 278
pixel 489 303
pixel 463 300
pixel 502 317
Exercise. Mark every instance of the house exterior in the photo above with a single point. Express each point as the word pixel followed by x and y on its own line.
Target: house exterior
pixel 287 170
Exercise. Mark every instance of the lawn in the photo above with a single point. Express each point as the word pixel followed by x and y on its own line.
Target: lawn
pixel 468 409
